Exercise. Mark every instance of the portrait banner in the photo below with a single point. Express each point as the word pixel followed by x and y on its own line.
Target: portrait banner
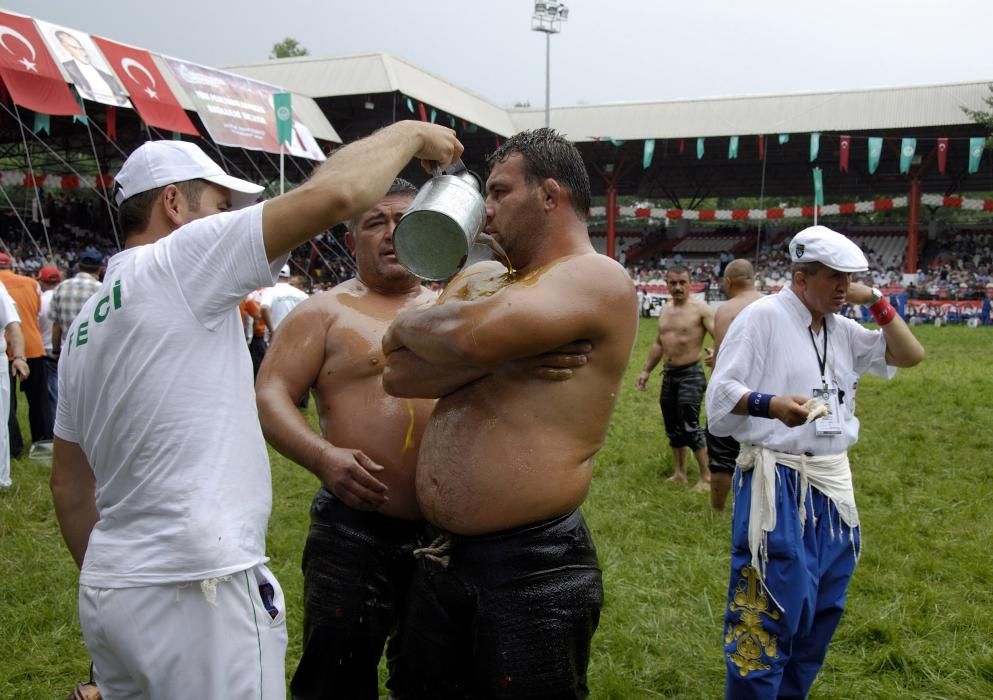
pixel 29 71
pixel 84 65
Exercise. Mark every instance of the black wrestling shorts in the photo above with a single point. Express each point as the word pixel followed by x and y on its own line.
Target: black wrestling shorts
pixel 723 453
pixel 357 567
pixel 505 615
pixel 682 393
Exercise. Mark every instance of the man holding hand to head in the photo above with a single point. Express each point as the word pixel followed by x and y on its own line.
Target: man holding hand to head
pixel 795 531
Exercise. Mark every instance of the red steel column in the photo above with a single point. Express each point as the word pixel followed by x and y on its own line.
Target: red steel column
pixel 611 216
pixel 914 211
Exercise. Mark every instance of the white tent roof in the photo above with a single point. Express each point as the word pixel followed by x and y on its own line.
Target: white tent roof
pixel 880 108
pixel 374 73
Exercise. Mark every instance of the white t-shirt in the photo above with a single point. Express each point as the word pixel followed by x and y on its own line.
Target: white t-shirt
pixel 768 348
pixel 44 322
pixel 281 299
pixel 155 385
pixel 8 315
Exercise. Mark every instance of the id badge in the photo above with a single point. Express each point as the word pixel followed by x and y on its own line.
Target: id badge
pixel 828 425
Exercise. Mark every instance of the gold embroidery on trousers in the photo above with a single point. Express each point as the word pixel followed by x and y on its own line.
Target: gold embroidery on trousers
pixel 748 636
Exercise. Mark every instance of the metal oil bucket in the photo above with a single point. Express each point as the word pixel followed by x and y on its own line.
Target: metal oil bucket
pixel 433 238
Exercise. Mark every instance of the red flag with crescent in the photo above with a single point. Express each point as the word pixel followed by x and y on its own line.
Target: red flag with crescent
pixel 843 150
pixel 149 91
pixel 29 71
pixel 942 155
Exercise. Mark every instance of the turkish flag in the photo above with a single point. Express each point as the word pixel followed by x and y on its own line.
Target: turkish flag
pixel 150 94
pixel 761 147
pixel 844 149
pixel 942 155
pixel 28 70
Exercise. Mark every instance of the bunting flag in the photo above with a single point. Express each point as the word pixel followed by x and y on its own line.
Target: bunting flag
pixel 780 213
pixel 818 188
pixel 150 94
pixel 112 123
pixel 30 74
pixel 410 105
pixel 81 118
pixel 875 151
pixel 733 148
pixel 422 112
pixel 975 153
pixel 907 149
pixel 699 148
pixel 784 139
pixel 451 121
pixel 761 147
pixel 682 146
pixel 42 122
pixel 942 155
pixel 283 106
pixel 815 145
pixel 646 158
pixel 434 114
pixel 844 148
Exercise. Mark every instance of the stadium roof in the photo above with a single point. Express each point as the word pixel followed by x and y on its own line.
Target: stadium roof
pixel 612 137
pixel 846 110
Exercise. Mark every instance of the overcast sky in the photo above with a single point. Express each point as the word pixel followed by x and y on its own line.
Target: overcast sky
pixel 608 51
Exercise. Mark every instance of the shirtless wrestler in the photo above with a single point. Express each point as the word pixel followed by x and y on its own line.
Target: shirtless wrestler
pixel 507 591
pixel 739 285
pixel 683 325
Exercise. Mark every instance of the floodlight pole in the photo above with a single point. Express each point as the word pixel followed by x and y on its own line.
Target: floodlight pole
pixel 548 79
pixel 547 18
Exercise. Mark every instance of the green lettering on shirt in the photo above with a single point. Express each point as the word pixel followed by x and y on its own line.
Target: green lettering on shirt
pixel 81 338
pixel 98 315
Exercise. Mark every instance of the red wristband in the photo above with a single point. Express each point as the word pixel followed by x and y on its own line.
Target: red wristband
pixel 882 312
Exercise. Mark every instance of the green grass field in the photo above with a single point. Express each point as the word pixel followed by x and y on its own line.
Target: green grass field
pixel 918 623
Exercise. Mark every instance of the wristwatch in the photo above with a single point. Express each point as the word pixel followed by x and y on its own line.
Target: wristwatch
pixel 877 294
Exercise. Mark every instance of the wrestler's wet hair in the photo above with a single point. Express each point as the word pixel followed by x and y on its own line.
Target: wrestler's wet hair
pixel 135 212
pixel 548 154
pixel 399 186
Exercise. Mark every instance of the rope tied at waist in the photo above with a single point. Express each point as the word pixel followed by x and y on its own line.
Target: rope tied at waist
pixel 437 551
pixel 830 474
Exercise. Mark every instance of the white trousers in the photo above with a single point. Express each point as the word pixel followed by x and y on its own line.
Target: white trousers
pixel 212 641
pixel 4 412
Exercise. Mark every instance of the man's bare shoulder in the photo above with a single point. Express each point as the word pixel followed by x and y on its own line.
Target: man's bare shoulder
pixel 591 271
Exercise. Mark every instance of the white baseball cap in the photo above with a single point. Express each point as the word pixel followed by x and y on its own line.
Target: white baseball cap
pixel 285 270
pixel 159 163
pixel 821 244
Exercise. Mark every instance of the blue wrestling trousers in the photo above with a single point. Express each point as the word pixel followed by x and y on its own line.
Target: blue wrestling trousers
pixel 776 651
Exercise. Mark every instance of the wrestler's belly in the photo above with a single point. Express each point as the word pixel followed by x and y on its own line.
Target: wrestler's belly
pixel 388 430
pixel 501 456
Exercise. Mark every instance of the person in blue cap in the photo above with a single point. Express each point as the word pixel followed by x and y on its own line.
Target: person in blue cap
pixel 784 387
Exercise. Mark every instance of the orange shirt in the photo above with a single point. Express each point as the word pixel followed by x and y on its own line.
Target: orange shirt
pixel 26 293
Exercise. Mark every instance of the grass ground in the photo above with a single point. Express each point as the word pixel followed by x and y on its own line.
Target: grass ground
pixel 917 625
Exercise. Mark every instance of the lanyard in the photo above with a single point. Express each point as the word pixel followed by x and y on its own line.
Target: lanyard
pixel 821 361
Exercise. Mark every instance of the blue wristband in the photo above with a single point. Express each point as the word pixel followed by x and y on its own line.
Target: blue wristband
pixel 758 404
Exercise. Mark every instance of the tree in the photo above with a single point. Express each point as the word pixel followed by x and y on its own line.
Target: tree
pixel 288 48
pixel 984 119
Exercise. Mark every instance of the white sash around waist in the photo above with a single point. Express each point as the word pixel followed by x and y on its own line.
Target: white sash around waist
pixel 829 474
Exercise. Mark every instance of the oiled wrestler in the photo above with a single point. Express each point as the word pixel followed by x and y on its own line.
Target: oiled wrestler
pixel 507 591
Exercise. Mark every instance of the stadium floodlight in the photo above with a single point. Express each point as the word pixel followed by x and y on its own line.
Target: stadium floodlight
pixel 548 18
